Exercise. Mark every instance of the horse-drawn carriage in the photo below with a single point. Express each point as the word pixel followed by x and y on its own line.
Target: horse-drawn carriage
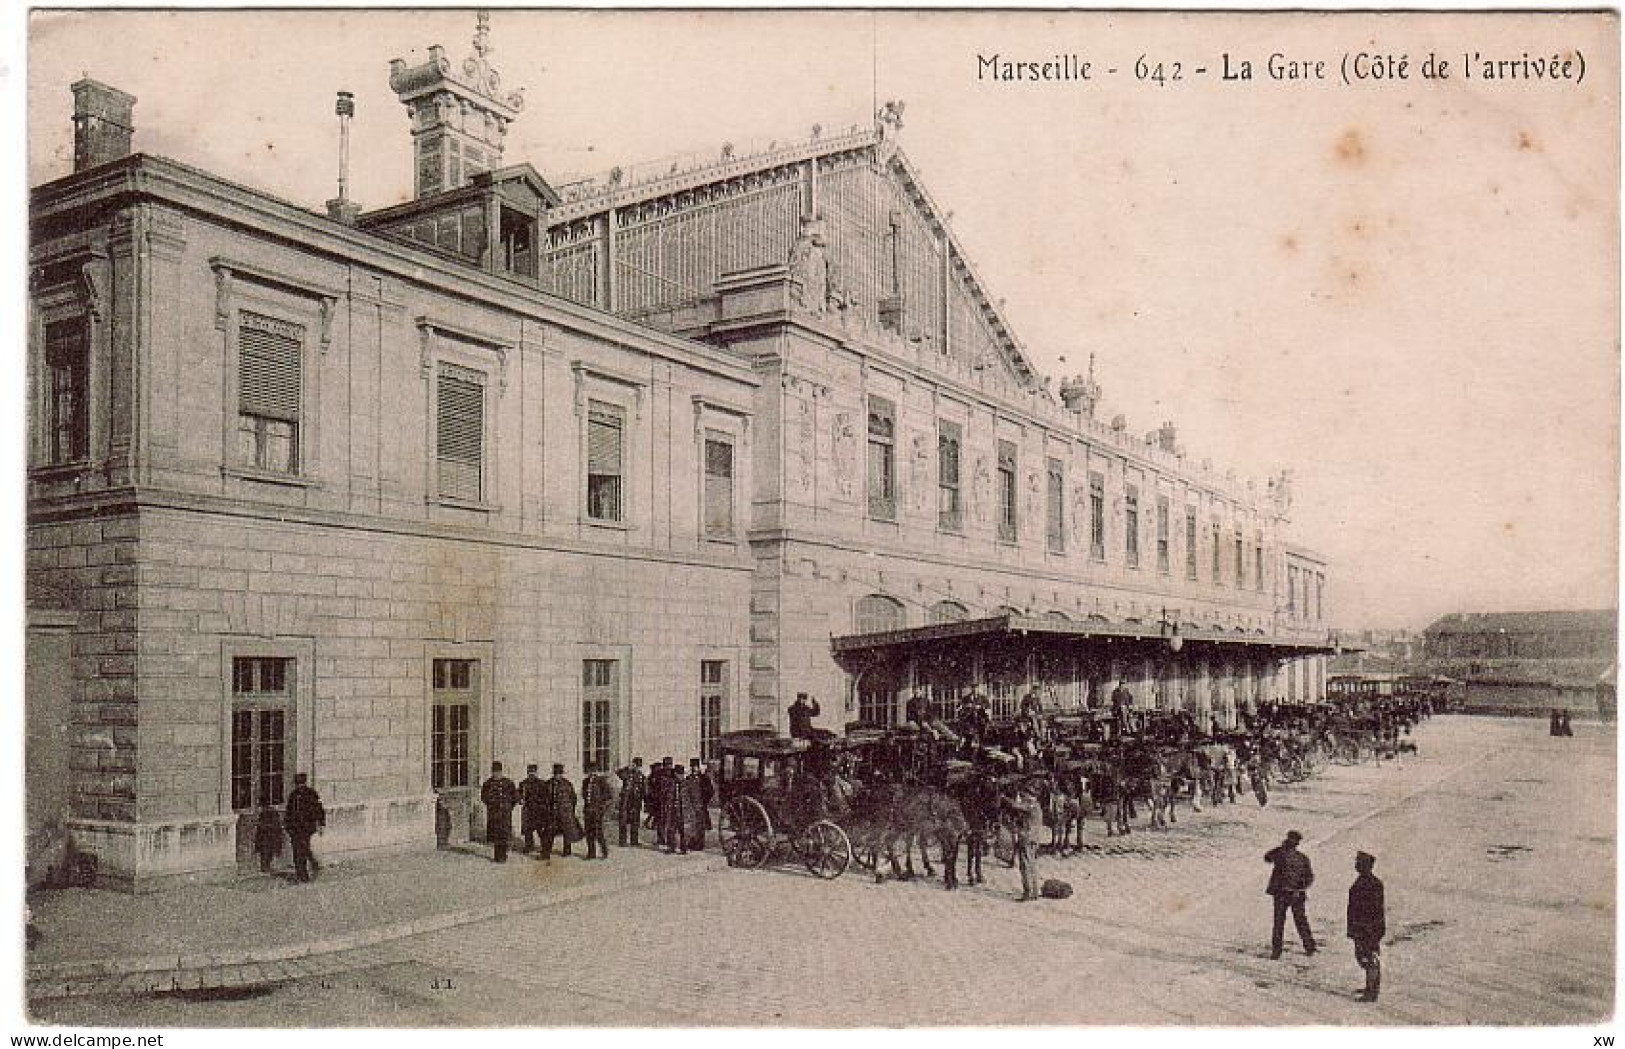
pixel 777 793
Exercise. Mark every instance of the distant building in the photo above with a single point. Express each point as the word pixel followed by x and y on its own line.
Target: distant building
pixel 527 473
pixel 1527 661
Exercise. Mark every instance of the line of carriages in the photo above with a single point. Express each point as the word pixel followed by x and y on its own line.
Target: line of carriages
pixel 878 796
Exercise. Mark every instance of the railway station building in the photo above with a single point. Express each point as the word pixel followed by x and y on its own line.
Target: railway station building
pixel 530 473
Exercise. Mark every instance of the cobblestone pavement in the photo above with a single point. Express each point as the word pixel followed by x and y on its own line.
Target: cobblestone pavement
pixel 1496 844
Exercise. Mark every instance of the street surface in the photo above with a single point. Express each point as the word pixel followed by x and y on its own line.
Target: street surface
pixel 1496 844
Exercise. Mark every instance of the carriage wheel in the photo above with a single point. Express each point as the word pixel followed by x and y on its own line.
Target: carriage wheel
pixel 746 833
pixel 825 849
pixel 865 851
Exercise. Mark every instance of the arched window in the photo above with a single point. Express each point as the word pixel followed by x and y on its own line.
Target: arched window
pixel 947 612
pixel 1008 610
pixel 1056 614
pixel 876 613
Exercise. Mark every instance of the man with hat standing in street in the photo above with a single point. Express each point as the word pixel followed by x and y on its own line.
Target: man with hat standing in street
pixel 629 806
pixel 498 795
pixel 1289 884
pixel 559 813
pixel 1368 923
pixel 1026 824
pixel 533 811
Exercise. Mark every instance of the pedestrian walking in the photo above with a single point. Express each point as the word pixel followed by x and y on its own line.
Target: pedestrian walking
pixel 533 813
pixel 596 796
pixel 1368 923
pixel 1026 826
pixel 498 795
pixel 1289 884
pixel 559 813
pixel 303 818
pixel 629 806
pixel 268 836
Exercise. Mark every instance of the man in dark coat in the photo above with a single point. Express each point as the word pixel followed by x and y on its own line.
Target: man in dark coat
pixel 596 795
pixel 802 712
pixel 669 810
pixel 629 809
pixel 498 795
pixel 1289 884
pixel 657 798
pixel 1368 923
pixel 304 817
pixel 268 836
pixel 558 813
pixel 533 817
pixel 697 813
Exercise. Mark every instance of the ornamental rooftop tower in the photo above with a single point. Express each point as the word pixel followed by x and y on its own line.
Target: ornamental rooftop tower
pixel 459 117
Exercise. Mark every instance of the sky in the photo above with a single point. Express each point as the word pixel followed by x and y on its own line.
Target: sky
pixel 1405 291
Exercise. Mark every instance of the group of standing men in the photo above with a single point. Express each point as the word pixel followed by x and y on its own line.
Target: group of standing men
pixel 675 805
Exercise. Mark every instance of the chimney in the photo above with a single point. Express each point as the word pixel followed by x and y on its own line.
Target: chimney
pixel 1167 437
pixel 103 124
pixel 341 208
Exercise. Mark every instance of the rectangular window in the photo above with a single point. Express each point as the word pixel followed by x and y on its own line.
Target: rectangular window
pixel 719 486
pixel 67 369
pixel 460 432
pixel 882 459
pixel 1007 491
pixel 1241 563
pixel 1218 555
pixel 1097 517
pixel 1162 534
pixel 261 714
pixel 600 687
pixel 270 377
pixel 948 504
pixel 450 759
pixel 1258 567
pixel 1055 515
pixel 606 433
pixel 1190 545
pixel 713 707
pixel 1292 590
pixel 1131 526
pixel 1320 597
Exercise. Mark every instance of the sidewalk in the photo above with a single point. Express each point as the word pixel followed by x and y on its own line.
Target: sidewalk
pixel 266 928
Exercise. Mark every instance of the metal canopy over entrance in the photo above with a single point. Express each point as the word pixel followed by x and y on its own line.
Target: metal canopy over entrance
pixel 1073 664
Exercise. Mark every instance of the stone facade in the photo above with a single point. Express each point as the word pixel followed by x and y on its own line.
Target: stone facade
pixel 180 556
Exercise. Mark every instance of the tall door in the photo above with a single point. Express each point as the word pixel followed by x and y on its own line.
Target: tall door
pixel 261 744
pixel 455 701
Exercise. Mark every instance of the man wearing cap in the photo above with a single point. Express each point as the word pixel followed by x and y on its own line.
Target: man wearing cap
pixel 1289 884
pixel 659 796
pixel 558 813
pixel 596 794
pixel 1367 923
pixel 629 807
pixel 532 818
pixel 498 795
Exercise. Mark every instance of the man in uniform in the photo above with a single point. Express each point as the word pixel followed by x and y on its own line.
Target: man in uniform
pixel 1367 923
pixel 1290 878
pixel 558 813
pixel 304 817
pixel 498 795
pixel 629 808
pixel 596 794
pixel 706 790
pixel 1122 704
pixel 532 817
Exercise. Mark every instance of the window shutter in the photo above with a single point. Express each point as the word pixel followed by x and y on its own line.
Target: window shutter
pixel 270 367
pixel 604 426
pixel 460 431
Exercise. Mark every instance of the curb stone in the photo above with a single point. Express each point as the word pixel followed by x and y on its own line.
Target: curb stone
pixel 230 969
